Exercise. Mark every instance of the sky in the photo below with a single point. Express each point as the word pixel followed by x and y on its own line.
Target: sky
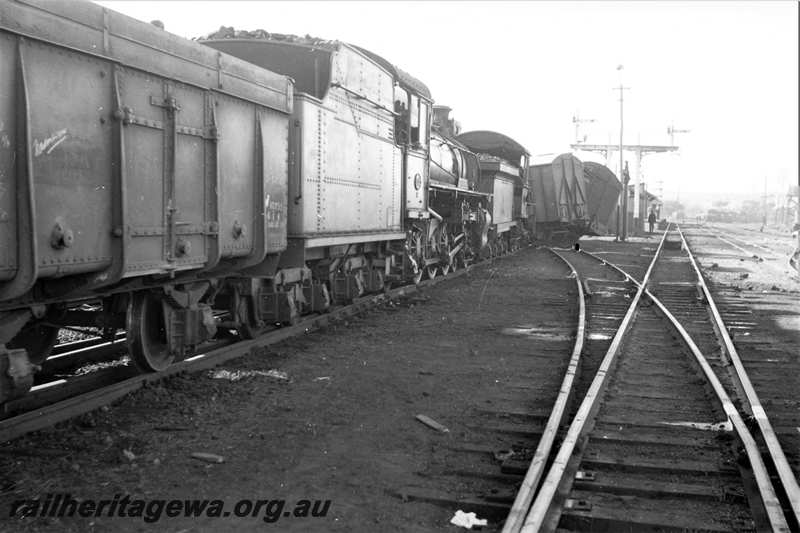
pixel 726 71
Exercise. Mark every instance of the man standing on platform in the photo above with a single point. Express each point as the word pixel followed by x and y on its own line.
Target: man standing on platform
pixel 651 220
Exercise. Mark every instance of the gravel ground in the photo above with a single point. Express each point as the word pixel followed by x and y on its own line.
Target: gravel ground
pixel 335 421
pixel 751 260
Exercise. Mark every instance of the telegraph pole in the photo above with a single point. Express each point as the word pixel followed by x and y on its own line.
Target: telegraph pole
pixel 621 157
pixel 764 221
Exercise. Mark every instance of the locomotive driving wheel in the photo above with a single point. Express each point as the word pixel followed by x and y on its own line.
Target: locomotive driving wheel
pixel 38 340
pixel 432 271
pixel 414 252
pixel 147 334
pixel 444 250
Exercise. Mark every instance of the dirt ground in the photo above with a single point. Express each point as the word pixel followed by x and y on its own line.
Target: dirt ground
pixel 341 427
pixel 760 266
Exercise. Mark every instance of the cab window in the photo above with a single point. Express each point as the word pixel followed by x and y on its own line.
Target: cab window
pixel 419 121
pixel 413 109
pixel 401 116
pixel 423 124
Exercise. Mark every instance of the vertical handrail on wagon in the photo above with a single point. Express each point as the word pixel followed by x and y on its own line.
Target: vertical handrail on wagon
pixel 119 189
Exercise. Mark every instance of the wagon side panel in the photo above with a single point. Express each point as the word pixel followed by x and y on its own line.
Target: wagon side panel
pixel 69 95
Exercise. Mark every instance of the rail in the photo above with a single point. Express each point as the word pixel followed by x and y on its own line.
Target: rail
pixel 772 505
pixel 522 502
pixel 544 499
pixel 541 506
pixel 785 473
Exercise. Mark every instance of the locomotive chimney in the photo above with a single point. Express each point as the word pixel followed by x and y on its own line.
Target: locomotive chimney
pixel 442 121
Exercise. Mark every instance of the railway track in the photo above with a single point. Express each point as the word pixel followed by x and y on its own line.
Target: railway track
pixel 486 464
pixel 57 397
pixel 660 441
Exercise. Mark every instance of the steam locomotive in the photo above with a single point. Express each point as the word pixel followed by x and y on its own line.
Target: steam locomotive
pixel 174 188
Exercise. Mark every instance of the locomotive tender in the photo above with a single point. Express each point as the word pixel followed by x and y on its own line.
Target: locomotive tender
pixel 152 184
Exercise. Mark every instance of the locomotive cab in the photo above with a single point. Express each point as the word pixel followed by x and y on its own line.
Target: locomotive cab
pixel 503 175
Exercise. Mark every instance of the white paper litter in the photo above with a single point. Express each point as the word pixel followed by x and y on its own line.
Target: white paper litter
pixel 467 520
pixel 237 375
pixel 706 426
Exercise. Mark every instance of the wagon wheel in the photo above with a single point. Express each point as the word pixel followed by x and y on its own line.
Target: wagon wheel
pixel 38 340
pixel 147 336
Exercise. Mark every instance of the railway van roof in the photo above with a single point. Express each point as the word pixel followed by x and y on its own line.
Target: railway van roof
pixel 493 143
pixel 601 173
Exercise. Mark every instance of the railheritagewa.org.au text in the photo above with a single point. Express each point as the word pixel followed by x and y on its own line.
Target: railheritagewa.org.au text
pixel 64 505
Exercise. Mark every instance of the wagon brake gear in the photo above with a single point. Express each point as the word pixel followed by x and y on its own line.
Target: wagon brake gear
pixel 164 327
pixel 16 373
pixel 37 339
